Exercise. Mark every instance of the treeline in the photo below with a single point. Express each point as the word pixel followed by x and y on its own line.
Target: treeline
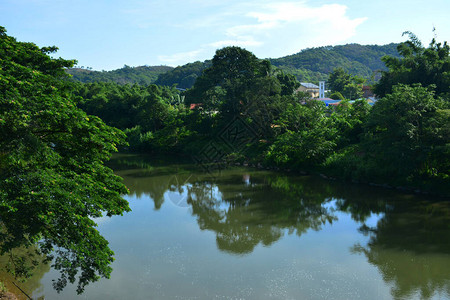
pixel 143 75
pixel 355 59
pixel 242 109
pixel 153 117
pixel 310 65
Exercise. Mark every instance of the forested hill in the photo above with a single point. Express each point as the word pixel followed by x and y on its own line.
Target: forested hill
pixel 310 65
pixel 316 63
pixel 183 76
pixel 127 75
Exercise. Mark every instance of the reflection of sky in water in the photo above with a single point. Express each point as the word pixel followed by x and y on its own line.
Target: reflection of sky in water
pixel 246 179
pixel 372 221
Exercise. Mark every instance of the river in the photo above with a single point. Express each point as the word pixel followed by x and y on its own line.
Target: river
pixel 243 233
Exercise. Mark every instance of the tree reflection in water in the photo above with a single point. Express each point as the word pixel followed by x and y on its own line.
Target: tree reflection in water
pixel 28 257
pixel 410 244
pixel 411 248
pixel 244 215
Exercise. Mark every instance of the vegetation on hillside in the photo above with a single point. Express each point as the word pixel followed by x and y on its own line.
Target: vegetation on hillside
pixel 353 58
pixel 127 75
pixel 184 76
pixel 310 65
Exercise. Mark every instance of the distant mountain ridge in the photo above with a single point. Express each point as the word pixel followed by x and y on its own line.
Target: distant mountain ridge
pixel 127 75
pixel 315 63
pixel 183 76
pixel 311 65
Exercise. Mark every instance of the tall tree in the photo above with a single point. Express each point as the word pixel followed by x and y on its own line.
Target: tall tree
pixel 221 86
pixel 53 181
pixel 417 64
pixel 238 84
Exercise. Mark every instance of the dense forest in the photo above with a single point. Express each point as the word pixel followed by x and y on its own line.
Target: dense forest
pixel 353 58
pixel 57 133
pixel 310 65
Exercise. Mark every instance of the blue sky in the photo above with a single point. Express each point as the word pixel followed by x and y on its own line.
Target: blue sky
pixel 107 34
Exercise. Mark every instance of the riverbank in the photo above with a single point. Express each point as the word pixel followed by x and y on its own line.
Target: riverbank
pixel 331 175
pixel 325 172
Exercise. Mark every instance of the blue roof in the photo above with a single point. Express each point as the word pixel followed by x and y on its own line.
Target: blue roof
pixel 327 101
pixel 309 85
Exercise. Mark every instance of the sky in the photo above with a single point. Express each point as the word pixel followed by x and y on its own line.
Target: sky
pixel 108 34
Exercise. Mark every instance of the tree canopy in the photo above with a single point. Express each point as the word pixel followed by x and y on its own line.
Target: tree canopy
pixel 53 181
pixel 417 64
pixel 238 84
pixel 349 86
pixel 408 133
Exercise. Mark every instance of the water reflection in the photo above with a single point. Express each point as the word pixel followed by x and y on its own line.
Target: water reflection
pixel 409 242
pixel 21 286
pixel 411 248
pixel 245 214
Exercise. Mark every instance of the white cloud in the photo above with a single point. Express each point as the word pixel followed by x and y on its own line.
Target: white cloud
pixel 270 29
pixel 287 27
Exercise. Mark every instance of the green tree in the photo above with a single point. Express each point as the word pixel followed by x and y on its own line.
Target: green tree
pixel 307 136
pixel 348 119
pixel 238 84
pixel 417 64
pixel 53 182
pixel 347 85
pixel 153 117
pixel 222 86
pixel 407 133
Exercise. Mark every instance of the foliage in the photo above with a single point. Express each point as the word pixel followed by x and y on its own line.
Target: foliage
pixel 184 76
pixel 310 65
pixel 238 84
pixel 355 59
pixel 127 75
pixel 306 136
pixel 53 183
pixel 407 132
pixel 348 119
pixel 348 86
pixel 417 64
pixel 152 116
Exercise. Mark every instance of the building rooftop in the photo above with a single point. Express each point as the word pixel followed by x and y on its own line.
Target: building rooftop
pixel 309 85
